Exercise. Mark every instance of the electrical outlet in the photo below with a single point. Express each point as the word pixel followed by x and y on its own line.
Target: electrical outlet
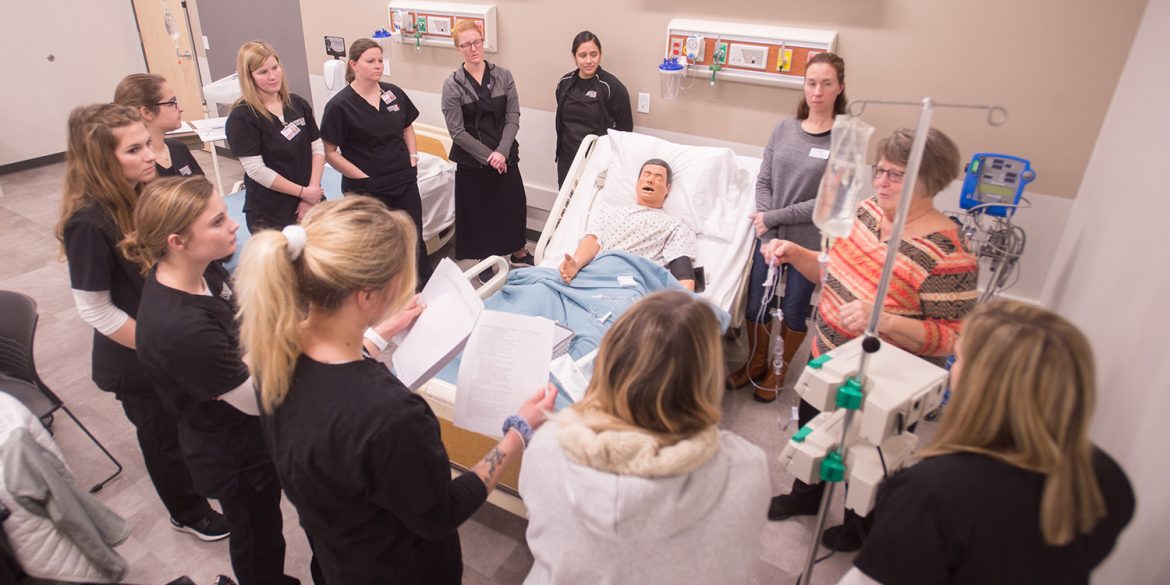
pixel 643 103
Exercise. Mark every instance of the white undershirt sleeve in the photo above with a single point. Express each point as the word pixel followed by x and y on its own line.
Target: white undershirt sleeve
pixel 856 577
pixel 254 167
pixel 318 147
pixel 97 309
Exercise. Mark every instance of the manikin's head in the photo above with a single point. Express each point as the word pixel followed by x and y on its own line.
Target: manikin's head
pixel 654 183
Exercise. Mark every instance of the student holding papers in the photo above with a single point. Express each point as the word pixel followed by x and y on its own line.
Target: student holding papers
pixel 636 483
pixel 189 348
pixel 358 454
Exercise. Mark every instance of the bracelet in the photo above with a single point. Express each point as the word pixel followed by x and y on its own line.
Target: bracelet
pixel 301 193
pixel 521 426
pixel 413 155
pixel 373 337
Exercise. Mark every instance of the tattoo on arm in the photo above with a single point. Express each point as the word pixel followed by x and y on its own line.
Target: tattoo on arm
pixel 494 458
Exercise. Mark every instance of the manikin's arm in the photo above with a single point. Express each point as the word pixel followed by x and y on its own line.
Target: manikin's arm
pixel 586 251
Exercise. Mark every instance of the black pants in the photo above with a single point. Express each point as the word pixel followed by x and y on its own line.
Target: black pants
pixel 257 541
pixel 563 164
pixel 158 437
pixel 402 197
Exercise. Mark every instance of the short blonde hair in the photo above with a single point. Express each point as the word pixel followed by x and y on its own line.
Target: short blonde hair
pixel 250 57
pixel 659 369
pixel 463 26
pixel 352 243
pixel 1025 396
pixel 169 205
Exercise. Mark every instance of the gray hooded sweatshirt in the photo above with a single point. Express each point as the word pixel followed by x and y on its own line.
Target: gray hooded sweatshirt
pixel 592 526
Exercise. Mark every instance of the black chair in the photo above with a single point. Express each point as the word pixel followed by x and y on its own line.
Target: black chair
pixel 18 371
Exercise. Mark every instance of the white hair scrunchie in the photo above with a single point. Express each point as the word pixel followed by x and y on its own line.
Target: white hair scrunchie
pixel 297 238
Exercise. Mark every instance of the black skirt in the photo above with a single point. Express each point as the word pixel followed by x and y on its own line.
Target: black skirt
pixel 490 211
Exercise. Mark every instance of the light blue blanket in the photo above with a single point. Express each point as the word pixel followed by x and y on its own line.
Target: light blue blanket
pixel 599 294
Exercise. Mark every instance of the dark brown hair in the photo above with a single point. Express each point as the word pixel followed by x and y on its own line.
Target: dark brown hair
pixel 356 50
pixel 140 90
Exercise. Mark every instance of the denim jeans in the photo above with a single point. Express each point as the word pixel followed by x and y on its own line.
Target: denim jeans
pixel 798 292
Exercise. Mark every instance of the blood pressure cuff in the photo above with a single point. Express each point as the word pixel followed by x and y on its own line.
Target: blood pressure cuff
pixel 682 268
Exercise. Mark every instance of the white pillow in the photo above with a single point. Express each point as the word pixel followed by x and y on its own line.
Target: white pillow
pixel 706 184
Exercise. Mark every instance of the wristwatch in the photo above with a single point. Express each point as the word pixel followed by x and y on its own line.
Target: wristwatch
pixel 521 426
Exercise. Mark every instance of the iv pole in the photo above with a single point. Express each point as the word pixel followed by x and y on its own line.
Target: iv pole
pixel 871 344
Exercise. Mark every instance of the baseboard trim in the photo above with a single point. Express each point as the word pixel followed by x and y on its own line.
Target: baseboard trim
pixel 32 163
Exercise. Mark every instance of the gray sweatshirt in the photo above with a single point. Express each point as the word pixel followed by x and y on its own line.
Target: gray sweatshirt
pixel 786 190
pixel 601 528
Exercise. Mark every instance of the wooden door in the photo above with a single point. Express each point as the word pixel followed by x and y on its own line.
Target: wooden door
pixel 172 58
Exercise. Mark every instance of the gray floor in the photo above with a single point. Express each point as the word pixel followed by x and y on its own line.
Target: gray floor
pixel 494 549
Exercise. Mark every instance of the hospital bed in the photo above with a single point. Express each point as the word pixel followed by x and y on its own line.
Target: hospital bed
pixel 436 185
pixel 713 190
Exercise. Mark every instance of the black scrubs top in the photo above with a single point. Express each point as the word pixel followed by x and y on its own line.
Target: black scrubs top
pixel 182 161
pixel 589 106
pixel 95 264
pixel 286 148
pixel 360 457
pixel 371 138
pixel 189 348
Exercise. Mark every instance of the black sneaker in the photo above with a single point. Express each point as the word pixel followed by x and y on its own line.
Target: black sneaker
pixel 525 260
pixel 210 528
pixel 487 273
pixel 786 506
pixel 847 537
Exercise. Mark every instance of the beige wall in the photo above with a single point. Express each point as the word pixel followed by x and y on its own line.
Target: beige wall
pixel 1052 63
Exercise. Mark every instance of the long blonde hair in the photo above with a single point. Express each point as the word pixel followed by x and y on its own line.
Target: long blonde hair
pixel 250 57
pixel 169 205
pixel 1025 396
pixel 353 243
pixel 93 173
pixel 659 370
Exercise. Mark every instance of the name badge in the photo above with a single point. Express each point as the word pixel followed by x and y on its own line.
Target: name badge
pixel 821 153
pixel 185 170
pixel 290 131
pixel 388 97
pixel 393 108
pixel 226 292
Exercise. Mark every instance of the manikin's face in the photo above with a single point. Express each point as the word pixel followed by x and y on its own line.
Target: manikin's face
pixel 134 152
pixel 652 186
pixel 269 77
pixel 588 58
pixel 213 235
pixel 369 65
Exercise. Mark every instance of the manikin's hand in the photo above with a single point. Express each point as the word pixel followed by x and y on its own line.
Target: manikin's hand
pixel 569 269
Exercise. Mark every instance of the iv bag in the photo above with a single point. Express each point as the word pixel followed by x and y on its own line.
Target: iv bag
pixel 847 180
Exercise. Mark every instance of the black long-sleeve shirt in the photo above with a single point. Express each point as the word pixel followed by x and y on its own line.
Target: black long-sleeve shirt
pixel 361 458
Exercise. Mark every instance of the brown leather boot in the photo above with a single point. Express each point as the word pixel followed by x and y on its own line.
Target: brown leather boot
pixel 756 364
pixel 772 383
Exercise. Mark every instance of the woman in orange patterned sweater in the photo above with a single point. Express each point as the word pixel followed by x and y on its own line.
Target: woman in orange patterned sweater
pixel 932 289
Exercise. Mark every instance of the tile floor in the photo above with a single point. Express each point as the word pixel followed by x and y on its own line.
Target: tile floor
pixel 493 540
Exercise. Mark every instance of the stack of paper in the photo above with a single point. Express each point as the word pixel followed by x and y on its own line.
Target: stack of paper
pixel 452 308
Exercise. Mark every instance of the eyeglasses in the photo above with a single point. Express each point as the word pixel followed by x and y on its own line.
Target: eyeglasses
pixel 171 102
pixel 477 43
pixel 891 174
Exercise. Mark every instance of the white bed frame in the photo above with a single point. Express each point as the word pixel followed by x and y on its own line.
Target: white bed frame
pixel 466 448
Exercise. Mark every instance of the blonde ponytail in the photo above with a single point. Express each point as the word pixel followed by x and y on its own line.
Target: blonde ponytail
pixel 351 244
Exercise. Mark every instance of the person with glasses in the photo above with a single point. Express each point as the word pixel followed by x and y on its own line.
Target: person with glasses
pixel 932 289
pixel 158 105
pixel 482 111
pixel 790 172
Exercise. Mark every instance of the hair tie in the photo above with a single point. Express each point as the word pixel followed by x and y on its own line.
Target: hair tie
pixel 297 238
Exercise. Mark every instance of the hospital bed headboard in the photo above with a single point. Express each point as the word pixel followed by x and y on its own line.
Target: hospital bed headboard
pixel 432 140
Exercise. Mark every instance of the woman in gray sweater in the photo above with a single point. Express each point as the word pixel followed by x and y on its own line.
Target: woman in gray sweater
pixel 636 483
pixel 790 173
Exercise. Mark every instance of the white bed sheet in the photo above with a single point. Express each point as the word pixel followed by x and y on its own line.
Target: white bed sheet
pixel 723 262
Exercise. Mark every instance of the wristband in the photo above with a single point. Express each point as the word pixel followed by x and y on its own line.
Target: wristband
pixel 373 337
pixel 521 426
pixel 413 155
